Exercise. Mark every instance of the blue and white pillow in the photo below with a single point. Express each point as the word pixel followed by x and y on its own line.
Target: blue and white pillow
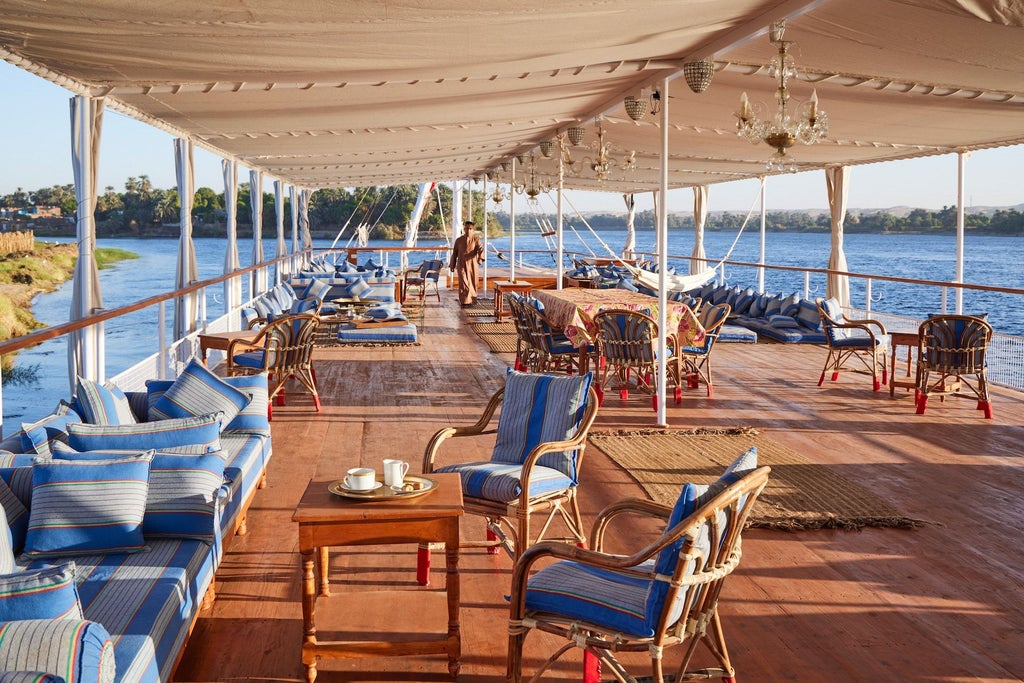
pixel 45 593
pixel 197 391
pixel 357 289
pixel 540 408
pixel 36 436
pixel 86 507
pixel 76 650
pixel 15 523
pixel 317 289
pixel 195 434
pixel 102 404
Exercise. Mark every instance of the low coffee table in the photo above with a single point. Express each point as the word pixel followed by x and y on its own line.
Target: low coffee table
pixel 326 520
pixel 220 341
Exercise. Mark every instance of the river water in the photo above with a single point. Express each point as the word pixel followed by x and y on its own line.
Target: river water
pixel 996 261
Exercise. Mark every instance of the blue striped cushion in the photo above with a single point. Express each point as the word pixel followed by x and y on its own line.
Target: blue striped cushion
pixel 44 593
pixel 857 338
pixel 253 418
pixel 538 409
pixel 197 391
pixel 317 289
pixel 602 597
pixel 15 522
pixel 201 433
pixel 808 315
pixel 102 404
pixel 500 481
pixel 87 506
pixel 73 649
pixel 183 491
pixel 249 316
pixel 36 436
pixel 357 288
pixel 249 359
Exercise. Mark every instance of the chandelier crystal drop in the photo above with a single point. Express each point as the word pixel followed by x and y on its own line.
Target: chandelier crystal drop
pixel 783 128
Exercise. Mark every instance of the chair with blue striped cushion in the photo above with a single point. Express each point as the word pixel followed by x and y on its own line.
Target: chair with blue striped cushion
pixel 627 341
pixel 283 350
pixel 664 594
pixel 553 350
pixel 696 360
pixel 951 358
pixel 866 340
pixel 534 467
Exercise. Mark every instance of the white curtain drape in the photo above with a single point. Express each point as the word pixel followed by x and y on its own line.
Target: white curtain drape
pixel 837 178
pixel 233 287
pixel 307 239
pixel 258 279
pixel 186 308
pixel 700 218
pixel 630 245
pixel 293 207
pixel 85 347
pixel 280 249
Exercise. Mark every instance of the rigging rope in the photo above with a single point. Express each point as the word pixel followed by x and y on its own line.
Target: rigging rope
pixel 350 216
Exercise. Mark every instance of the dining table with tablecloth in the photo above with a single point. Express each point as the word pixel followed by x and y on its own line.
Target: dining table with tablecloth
pixel 574 309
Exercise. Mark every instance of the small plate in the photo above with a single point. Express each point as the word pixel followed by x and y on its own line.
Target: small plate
pixel 415 485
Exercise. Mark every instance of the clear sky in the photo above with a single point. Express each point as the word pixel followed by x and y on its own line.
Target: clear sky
pixel 35 152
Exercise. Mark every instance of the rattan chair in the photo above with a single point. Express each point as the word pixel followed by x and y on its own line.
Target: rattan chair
pixel 951 358
pixel 866 340
pixel 554 352
pixel 283 349
pixel 535 465
pixel 526 352
pixel 428 273
pixel 696 360
pixel 627 342
pixel 663 594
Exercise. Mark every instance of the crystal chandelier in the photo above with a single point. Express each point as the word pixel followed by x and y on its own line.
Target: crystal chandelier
pixel 533 188
pixel 782 130
pixel 602 163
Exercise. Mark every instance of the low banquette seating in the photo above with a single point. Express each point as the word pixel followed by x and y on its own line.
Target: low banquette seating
pixel 649 598
pixel 786 318
pixel 117 508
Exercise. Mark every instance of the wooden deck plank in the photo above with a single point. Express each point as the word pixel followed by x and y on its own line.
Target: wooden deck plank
pixel 940 602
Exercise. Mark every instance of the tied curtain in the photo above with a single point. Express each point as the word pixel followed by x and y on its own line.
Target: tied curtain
pixel 258 277
pixel 630 246
pixel 700 218
pixel 280 250
pixel 837 178
pixel 186 308
pixel 233 287
pixel 85 346
pixel 293 206
pixel 307 239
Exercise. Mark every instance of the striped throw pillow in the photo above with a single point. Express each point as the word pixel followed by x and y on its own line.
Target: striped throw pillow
pixel 15 522
pixel 73 649
pixel 201 434
pixel 45 593
pixel 82 507
pixel 197 391
pixel 102 404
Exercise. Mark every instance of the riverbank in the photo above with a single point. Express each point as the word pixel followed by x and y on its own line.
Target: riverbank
pixel 27 274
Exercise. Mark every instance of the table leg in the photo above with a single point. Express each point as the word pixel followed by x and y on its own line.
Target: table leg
pixel 323 557
pixel 451 552
pixel 892 371
pixel 308 611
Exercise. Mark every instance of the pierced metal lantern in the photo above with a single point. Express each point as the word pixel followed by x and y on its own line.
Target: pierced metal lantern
pixel 546 148
pixel 636 108
pixel 698 74
pixel 576 134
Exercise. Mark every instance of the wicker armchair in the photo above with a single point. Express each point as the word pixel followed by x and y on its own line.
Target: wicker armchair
pixel 534 468
pixel 696 360
pixel 866 340
pixel 661 595
pixel 554 352
pixel 951 352
pixel 283 349
pixel 627 343
pixel 526 352
pixel 428 273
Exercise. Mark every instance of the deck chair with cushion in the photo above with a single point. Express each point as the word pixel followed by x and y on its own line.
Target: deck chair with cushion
pixel 866 340
pixel 554 352
pixel 428 273
pixel 534 468
pixel 283 349
pixel 526 353
pixel 662 594
pixel 696 360
pixel 951 358
pixel 627 342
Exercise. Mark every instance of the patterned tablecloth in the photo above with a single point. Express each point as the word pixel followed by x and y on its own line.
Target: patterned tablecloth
pixel 574 310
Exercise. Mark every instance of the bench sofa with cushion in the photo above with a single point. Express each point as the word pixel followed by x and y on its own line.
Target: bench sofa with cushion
pixel 116 509
pixel 786 318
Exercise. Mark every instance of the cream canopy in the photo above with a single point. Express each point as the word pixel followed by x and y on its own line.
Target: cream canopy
pixel 340 94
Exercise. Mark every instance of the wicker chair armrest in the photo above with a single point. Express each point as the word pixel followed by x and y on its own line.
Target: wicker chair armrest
pixel 627 506
pixel 256 322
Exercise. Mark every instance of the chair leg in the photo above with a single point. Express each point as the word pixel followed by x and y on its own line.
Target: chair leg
pixel 492 538
pixel 591 667
pixel 423 564
pixel 922 403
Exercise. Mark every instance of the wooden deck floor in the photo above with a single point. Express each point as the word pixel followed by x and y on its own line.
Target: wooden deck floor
pixel 939 603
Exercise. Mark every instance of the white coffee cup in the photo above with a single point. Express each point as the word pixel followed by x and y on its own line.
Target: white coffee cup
pixel 395 471
pixel 360 479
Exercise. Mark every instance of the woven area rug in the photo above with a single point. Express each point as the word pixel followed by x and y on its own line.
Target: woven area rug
pixel 480 308
pixel 799 495
pixel 499 337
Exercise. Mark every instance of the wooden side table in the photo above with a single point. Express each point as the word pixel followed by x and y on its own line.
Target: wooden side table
pixel 327 520
pixel 909 381
pixel 220 341
pixel 503 287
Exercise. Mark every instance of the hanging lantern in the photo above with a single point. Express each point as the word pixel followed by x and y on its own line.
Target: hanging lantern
pixel 576 134
pixel 546 148
pixel 636 108
pixel 698 74
pixel 521 159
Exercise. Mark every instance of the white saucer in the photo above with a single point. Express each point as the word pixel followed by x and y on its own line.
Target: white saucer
pixel 376 485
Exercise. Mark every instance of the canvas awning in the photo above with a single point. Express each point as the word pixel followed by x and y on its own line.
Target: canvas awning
pixel 364 93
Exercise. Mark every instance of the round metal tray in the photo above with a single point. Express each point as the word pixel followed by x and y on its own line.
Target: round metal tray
pixel 415 485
